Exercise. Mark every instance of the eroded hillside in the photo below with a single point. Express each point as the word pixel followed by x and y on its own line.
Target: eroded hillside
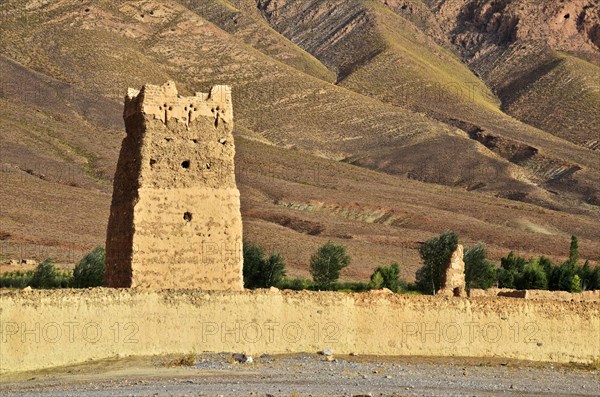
pixel 363 122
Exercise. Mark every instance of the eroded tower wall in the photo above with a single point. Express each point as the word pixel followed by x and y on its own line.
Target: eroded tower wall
pixel 175 218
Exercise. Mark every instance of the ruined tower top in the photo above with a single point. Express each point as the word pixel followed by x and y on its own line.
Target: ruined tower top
pixel 453 276
pixel 175 217
pixel 164 103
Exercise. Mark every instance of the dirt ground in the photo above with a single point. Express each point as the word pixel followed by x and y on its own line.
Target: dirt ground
pixel 308 375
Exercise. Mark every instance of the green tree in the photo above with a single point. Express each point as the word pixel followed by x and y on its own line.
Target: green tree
pixel 435 254
pixel 574 251
pixel 479 272
pixel 547 265
pixel 533 276
pixel 595 279
pixel 326 264
pixel 575 284
pixel 561 278
pixel 585 274
pixel 261 272
pixel 510 268
pixel 89 272
pixel 376 281
pixel 45 275
pixel 387 277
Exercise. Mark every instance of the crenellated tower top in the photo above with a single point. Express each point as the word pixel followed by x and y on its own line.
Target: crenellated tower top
pixel 165 103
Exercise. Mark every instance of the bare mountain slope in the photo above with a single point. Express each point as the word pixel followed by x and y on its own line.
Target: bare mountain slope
pixel 448 161
pixel 169 40
pixel 520 47
pixel 411 70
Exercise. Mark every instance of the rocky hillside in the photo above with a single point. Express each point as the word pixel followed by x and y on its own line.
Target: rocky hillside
pixel 541 58
pixel 376 124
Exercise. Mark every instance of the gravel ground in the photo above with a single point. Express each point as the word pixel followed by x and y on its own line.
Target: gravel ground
pixel 308 375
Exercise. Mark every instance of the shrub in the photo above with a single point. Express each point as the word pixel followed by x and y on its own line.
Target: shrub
pixel 510 268
pixel 64 279
pixel 533 276
pixel 376 280
pixel 576 284
pixel 561 277
pixel 595 279
pixel 351 286
pixel 590 278
pixel 89 272
pixel 326 264
pixel 435 254
pixel 411 288
pixel 16 279
pixel 547 265
pixel 479 272
pixel 296 284
pixel 260 272
pixel 584 273
pixel 45 276
pixel 387 277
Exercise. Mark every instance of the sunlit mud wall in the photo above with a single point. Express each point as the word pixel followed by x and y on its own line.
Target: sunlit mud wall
pixel 175 218
pixel 41 329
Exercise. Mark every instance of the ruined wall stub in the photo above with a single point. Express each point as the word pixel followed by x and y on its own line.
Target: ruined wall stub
pixel 453 277
pixel 175 218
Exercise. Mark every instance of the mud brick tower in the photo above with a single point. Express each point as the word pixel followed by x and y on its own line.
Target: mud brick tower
pixel 453 276
pixel 175 218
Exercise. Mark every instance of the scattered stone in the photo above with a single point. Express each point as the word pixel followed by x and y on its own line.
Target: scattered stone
pixel 243 359
pixel 28 288
pixel 326 352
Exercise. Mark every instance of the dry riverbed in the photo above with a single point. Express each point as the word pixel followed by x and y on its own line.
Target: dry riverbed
pixel 306 375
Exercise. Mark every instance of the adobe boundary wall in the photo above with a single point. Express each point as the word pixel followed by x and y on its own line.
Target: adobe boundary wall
pixel 41 329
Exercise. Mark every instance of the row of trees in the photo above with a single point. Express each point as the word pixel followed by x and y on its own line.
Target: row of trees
pixel 326 264
pixel 435 254
pixel 261 271
pixel 514 272
pixel 541 273
pixel 89 272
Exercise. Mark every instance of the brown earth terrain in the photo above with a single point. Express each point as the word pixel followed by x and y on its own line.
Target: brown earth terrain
pixel 307 375
pixel 376 124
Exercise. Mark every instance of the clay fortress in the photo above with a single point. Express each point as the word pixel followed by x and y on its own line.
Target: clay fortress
pixel 174 262
pixel 175 218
